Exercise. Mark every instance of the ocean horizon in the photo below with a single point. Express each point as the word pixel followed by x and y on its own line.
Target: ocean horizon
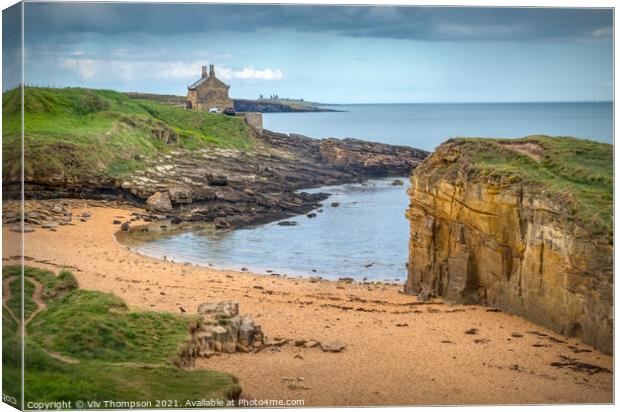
pixel 426 125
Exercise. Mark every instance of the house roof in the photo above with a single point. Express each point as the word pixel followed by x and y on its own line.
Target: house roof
pixel 204 79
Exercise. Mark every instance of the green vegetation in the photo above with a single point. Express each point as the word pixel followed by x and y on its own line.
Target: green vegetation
pixel 53 286
pixel 575 172
pixel 11 355
pixel 88 345
pixel 80 133
pixel 15 301
pixel 94 325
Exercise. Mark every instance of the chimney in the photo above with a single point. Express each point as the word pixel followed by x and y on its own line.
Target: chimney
pixel 204 71
pixel 211 70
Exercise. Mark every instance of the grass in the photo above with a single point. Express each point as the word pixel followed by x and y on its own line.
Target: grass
pixel 99 381
pixel 122 354
pixel 574 172
pixel 95 325
pixel 78 133
pixel 11 357
pixel 53 285
pixel 15 302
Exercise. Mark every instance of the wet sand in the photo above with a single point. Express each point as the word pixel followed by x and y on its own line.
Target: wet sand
pixel 398 352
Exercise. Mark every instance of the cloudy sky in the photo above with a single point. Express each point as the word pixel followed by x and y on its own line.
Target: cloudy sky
pixel 324 53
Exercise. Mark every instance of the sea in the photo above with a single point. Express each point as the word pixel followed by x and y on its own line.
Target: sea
pixel 366 236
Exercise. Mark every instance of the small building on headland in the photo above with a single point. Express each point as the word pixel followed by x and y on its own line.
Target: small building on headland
pixel 209 93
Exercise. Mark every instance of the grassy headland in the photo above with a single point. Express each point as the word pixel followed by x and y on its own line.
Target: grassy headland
pixel 88 345
pixel 75 132
pixel 260 105
pixel 575 172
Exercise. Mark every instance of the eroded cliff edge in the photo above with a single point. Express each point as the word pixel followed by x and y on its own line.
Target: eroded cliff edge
pixel 522 225
pixel 181 165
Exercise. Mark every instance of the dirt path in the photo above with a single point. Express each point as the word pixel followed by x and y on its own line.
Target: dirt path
pixel 61 357
pixel 37 297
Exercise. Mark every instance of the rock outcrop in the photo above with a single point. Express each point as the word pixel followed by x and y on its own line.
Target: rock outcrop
pixel 233 187
pixel 266 106
pixel 488 227
pixel 220 329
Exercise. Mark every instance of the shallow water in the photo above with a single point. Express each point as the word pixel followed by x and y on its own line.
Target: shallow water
pixel 366 236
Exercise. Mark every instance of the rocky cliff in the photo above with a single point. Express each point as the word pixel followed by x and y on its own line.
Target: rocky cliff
pixel 521 225
pixel 190 165
pixel 234 187
pixel 266 106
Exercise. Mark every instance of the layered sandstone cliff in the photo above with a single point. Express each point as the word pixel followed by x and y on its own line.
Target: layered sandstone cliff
pixel 523 226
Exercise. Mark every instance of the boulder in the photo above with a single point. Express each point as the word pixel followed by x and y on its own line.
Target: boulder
pixel 230 222
pixel 246 331
pixel 179 194
pixel 332 346
pixel 18 228
pixel 242 349
pixel 159 202
pixel 227 307
pixel 220 333
pixel 217 180
pixel 222 330
pixel 311 343
pixel 221 223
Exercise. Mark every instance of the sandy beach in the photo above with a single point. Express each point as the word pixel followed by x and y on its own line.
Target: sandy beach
pixel 398 351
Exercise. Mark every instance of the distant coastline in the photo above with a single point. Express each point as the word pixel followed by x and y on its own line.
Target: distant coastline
pixel 244 105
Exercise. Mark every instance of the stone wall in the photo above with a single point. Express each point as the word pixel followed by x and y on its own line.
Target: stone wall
pixel 509 247
pixel 255 120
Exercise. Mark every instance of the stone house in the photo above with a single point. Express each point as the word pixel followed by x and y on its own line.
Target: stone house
pixel 209 93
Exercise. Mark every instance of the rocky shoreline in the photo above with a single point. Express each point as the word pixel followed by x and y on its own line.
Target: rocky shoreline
pixel 235 188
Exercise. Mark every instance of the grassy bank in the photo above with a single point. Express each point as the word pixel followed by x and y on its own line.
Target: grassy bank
pixel 574 172
pixel 88 345
pixel 79 133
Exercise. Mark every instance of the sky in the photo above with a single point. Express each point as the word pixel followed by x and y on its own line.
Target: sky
pixel 332 54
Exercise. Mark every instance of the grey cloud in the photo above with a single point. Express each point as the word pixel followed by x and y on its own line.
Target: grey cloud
pixel 420 23
pixel 11 47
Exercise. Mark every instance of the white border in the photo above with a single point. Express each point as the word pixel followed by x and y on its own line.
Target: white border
pixel 474 3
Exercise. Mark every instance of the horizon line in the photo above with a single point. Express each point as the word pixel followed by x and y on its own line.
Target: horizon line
pixel 317 103
pixel 473 102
